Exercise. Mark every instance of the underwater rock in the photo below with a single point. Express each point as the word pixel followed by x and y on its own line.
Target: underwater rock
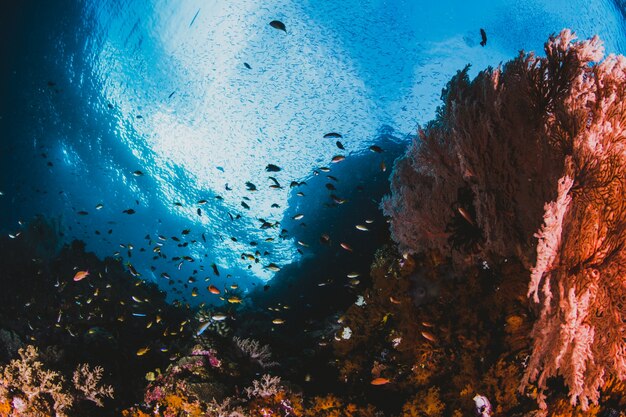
pixel 10 343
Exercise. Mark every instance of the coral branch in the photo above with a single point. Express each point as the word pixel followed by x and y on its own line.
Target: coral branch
pixel 87 381
pixel 259 354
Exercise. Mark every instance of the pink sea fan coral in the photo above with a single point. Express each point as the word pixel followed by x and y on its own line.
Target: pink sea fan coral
pixel 529 161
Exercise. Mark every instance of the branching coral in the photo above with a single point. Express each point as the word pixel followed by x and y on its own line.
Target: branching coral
pixel 426 403
pixel 258 353
pixel 473 187
pixel 31 389
pixel 87 381
pixel 266 387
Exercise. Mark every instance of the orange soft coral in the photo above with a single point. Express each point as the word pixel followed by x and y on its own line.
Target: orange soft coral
pixel 424 404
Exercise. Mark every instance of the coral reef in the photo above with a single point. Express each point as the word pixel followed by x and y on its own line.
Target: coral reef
pixel 29 389
pixel 104 320
pixel 472 337
pixel 536 131
pixel 509 219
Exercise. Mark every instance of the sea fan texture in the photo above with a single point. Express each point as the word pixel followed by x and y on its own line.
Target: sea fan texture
pixel 528 161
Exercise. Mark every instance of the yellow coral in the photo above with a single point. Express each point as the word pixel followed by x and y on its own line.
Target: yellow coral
pixel 502 381
pixel 174 401
pixel 134 413
pixel 326 403
pixel 331 406
pixel 563 408
pixel 424 404
pixel 5 408
pixel 615 390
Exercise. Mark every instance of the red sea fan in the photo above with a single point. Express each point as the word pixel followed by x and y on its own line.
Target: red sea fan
pixel 475 186
pixel 580 273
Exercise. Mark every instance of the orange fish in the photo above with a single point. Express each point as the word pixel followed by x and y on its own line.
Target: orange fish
pixel 380 381
pixel 466 216
pixel 393 300
pixel 346 246
pixel 213 289
pixel 429 336
pixel 81 275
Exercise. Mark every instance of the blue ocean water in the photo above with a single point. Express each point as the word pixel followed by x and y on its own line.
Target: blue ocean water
pixel 175 110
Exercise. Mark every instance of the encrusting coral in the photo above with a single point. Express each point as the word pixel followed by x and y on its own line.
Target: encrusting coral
pixel 540 139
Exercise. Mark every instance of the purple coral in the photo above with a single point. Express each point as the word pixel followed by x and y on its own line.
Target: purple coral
pixel 210 355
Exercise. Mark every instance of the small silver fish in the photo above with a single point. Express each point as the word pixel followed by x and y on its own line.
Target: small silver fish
pixel 202 328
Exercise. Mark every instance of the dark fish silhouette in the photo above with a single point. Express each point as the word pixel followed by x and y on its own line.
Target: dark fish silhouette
pixel 276 183
pixel 277 24
pixel 250 186
pixel 483 36
pixel 245 64
pixel 272 168
pixel 376 149
pixel 340 146
pixel 194 18
pixel 129 211
pixel 333 135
